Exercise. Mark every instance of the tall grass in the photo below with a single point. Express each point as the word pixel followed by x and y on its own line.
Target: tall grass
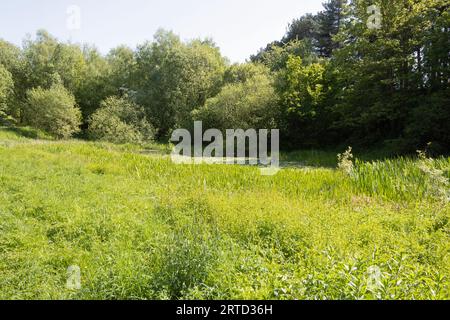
pixel 403 178
pixel 141 227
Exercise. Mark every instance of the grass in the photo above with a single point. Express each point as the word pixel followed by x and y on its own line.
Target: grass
pixel 13 135
pixel 141 227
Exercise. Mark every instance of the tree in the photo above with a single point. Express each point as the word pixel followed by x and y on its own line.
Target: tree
pixel 303 91
pixel 385 74
pixel 46 59
pixel 6 90
pixel 243 72
pixel 303 87
pixel 329 23
pixel 97 83
pixel 428 122
pixel 174 77
pixel 9 56
pixel 244 103
pixel 122 64
pixel 306 27
pixel 277 57
pixel 119 120
pixel 53 110
pixel 12 60
pixel 38 56
pixel 318 31
pixel 332 78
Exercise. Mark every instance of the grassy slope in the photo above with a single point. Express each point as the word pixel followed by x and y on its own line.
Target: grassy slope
pixel 141 227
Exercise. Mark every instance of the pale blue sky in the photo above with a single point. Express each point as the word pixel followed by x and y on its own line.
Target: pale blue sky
pixel 239 27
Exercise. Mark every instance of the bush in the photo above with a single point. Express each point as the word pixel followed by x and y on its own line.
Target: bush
pixel 6 89
pixel 242 105
pixel 120 120
pixel 53 110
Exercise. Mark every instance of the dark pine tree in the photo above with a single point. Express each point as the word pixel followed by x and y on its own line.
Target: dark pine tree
pixel 329 22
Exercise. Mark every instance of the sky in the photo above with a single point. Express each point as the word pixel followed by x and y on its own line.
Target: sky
pixel 239 27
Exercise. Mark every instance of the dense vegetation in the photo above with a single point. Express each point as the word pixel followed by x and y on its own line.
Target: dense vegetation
pixel 141 227
pixel 110 200
pixel 330 81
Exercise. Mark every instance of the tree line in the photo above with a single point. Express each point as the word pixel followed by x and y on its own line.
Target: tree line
pixel 330 80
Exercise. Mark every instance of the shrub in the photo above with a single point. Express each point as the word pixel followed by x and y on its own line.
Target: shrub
pixel 53 110
pixel 244 105
pixel 119 120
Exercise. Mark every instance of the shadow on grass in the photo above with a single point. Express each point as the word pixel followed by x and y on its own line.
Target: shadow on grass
pixel 309 158
pixel 26 132
pixel 328 158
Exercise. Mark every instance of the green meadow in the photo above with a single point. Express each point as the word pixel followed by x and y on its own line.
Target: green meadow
pixel 141 227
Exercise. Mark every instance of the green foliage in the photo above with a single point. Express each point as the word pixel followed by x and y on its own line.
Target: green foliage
pixel 6 89
pixel 429 122
pixel 9 56
pixel 380 86
pixel 304 91
pixel 122 62
pixel 45 57
pixel 276 56
pixel 302 28
pixel 383 75
pixel 241 73
pixel 329 23
pixel 119 120
pixel 310 35
pixel 141 227
pixel 53 110
pixel 174 77
pixel 304 87
pixel 248 101
pixel 97 84
pixel 336 81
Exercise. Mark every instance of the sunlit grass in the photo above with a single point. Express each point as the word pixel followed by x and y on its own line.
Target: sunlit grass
pixel 141 227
